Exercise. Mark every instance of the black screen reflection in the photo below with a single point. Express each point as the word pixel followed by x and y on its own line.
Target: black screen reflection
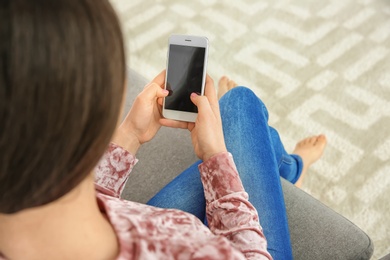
pixel 185 71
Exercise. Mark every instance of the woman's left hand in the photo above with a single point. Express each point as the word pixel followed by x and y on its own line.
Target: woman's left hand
pixel 142 122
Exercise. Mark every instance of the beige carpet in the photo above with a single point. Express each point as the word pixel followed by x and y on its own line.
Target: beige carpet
pixel 320 66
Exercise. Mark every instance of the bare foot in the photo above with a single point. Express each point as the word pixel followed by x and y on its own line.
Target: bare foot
pixel 310 150
pixel 224 85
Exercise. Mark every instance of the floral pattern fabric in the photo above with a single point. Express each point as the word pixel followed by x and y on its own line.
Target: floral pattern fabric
pixel 146 232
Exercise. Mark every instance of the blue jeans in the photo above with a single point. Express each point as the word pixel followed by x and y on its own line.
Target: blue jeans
pixel 260 159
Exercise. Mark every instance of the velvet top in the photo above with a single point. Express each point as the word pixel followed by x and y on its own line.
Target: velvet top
pixel 146 232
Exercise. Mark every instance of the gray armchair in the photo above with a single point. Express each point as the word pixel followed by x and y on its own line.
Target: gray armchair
pixel 317 232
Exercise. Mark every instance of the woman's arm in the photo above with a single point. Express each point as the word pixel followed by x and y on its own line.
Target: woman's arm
pixel 142 122
pixel 229 213
pixel 113 170
pixel 140 126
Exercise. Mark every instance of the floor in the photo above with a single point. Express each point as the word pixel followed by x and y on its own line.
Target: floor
pixel 319 66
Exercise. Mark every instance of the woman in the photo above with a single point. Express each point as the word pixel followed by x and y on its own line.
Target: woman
pixel 62 78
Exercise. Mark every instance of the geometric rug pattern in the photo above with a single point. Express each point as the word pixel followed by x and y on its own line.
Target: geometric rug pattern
pixel 319 66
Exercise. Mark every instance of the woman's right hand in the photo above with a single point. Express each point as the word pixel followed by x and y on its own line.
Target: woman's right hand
pixel 206 132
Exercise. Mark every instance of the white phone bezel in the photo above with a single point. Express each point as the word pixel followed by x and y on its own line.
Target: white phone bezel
pixel 186 40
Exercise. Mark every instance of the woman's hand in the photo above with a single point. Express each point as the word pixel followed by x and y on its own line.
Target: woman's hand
pixel 206 132
pixel 142 122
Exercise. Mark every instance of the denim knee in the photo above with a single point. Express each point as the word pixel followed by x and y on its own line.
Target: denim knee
pixel 240 93
pixel 246 96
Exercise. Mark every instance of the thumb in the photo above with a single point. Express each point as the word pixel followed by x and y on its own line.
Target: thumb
pixel 194 98
pixel 201 102
pixel 153 90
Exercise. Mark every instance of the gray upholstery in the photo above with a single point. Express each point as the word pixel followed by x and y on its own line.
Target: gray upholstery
pixel 386 257
pixel 317 232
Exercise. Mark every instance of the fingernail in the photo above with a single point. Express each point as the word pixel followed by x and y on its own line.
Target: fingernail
pixel 165 91
pixel 194 95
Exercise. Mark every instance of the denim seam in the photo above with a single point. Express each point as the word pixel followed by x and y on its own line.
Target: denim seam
pixel 282 160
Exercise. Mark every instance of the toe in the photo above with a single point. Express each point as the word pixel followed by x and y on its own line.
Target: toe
pixel 232 84
pixel 222 86
pixel 321 140
pixel 322 137
pixel 302 142
pixel 306 141
pixel 223 81
pixel 313 140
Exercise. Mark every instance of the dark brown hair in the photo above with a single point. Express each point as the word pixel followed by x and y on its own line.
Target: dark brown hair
pixel 62 74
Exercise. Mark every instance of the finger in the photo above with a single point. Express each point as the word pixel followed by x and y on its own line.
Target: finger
pixel 191 126
pixel 160 79
pixel 159 106
pixel 153 91
pixel 160 101
pixel 211 94
pixel 173 123
pixel 201 102
pixel 210 91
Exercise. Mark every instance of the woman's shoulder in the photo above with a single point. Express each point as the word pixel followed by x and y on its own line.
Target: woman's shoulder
pixel 121 212
pixel 147 232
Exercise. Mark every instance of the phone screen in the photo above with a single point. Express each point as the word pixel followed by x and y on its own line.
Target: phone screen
pixel 185 74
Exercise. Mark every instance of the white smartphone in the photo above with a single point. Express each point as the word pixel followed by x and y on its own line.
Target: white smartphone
pixel 186 73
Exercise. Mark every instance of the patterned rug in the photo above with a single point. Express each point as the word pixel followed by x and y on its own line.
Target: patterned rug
pixel 319 66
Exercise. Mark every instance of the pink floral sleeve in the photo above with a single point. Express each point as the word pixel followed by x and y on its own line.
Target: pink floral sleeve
pixel 146 232
pixel 113 170
pixel 229 213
